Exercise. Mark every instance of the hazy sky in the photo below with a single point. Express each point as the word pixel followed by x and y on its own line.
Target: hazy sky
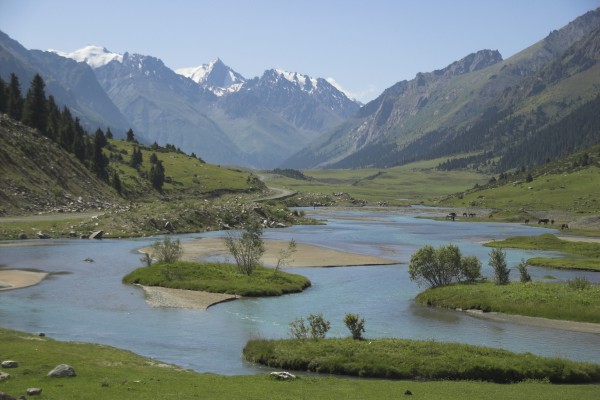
pixel 366 46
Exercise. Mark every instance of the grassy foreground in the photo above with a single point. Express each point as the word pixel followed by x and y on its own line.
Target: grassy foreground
pixel 533 299
pixel 218 278
pixel 411 359
pixel 581 255
pixel 107 373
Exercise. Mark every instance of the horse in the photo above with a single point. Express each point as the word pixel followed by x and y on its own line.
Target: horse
pixel 527 221
pixel 564 226
pixel 543 221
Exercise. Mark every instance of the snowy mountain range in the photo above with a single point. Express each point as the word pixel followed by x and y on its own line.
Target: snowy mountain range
pixel 213 110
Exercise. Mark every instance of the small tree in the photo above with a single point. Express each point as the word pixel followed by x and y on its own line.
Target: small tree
pixel 523 273
pixel 167 250
pixel 498 263
pixel 299 329
pixel 246 247
pixel 470 269
pixel 355 324
pixel 318 326
pixel 285 255
pixel 435 267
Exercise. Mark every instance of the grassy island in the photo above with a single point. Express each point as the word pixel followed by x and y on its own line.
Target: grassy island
pixel 420 360
pixel 580 255
pixel 218 278
pixel 533 299
pixel 104 372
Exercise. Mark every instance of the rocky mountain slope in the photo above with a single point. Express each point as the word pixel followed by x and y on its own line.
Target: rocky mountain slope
pixel 436 113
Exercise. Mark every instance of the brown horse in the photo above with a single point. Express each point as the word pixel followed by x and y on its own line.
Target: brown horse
pixel 543 221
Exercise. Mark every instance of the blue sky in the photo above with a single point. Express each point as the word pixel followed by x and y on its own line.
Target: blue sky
pixel 366 46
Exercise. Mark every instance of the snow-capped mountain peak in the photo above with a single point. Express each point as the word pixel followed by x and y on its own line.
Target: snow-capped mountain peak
pixel 339 87
pixel 305 82
pixel 94 56
pixel 215 76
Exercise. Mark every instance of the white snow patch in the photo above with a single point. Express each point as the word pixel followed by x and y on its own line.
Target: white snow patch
pixel 339 87
pixel 305 82
pixel 94 56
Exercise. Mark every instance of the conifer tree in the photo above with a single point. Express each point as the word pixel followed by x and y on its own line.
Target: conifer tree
pixel 79 143
pixel 99 160
pixel 129 136
pixel 157 176
pixel 14 101
pixel 109 134
pixel 136 158
pixel 35 108
pixel 116 182
pixel 3 99
pixel 53 120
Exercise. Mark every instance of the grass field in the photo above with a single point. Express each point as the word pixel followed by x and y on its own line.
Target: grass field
pixel 218 278
pixel 408 184
pixel 580 255
pixel 411 359
pixel 533 299
pixel 106 373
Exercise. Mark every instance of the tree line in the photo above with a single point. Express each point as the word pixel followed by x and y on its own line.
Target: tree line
pixel 43 114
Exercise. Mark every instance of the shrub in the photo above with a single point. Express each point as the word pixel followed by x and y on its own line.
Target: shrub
pixel 435 267
pixel 317 327
pixel 498 263
pixel 355 324
pixel 523 273
pixel 470 268
pixel 167 250
pixel 246 247
pixel 579 283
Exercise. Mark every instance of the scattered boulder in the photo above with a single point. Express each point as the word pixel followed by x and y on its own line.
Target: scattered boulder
pixel 42 235
pixel 9 364
pixel 169 226
pixel 5 396
pixel 4 376
pixel 96 235
pixel 90 260
pixel 283 376
pixel 23 236
pixel 407 392
pixel 62 370
pixel 34 391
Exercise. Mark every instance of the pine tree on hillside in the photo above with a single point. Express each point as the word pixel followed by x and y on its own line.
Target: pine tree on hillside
pixel 53 119
pixel 3 99
pixel 35 110
pixel 129 136
pixel 136 158
pixel 14 101
pixel 109 134
pixel 99 161
pixel 157 176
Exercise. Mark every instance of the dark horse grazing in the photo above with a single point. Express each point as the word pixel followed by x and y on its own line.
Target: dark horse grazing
pixel 543 221
pixel 451 216
pixel 564 226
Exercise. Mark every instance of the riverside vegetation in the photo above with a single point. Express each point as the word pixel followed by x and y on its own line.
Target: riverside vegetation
pixel 104 372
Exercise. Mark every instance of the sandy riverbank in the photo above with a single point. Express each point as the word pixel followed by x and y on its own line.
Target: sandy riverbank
pixel 306 255
pixel 15 279
pixel 575 326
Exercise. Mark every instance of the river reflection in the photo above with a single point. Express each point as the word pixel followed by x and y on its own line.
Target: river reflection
pixel 85 301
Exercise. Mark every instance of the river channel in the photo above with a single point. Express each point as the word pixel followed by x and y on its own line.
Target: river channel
pixel 86 301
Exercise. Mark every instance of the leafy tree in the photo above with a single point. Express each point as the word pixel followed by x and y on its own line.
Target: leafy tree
pixel 157 175
pixel 285 255
pixel 470 268
pixel 523 273
pixel 355 324
pixel 167 250
pixel 246 247
pixel 317 327
pixel 35 112
pixel 435 267
pixel 14 101
pixel 498 263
